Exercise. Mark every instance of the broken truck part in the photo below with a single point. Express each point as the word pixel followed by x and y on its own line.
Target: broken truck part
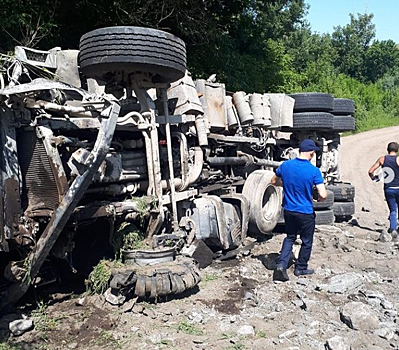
pixel 119 138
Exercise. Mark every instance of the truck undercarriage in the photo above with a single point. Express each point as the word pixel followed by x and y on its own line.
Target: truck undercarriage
pixel 118 133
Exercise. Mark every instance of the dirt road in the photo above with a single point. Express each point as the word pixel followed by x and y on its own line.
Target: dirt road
pixel 359 152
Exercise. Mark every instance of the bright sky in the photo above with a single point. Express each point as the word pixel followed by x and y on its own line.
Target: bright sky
pixel 324 15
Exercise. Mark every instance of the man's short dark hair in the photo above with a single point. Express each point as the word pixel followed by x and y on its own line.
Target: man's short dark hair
pixel 393 147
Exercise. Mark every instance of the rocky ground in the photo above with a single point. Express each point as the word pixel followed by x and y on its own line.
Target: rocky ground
pixel 351 302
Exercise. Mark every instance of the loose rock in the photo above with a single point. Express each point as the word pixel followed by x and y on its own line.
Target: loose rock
pixel 385 333
pixel 246 330
pixel 288 334
pixel 385 236
pixel 19 327
pixel 128 306
pixel 379 223
pixel 344 283
pixel 337 343
pixel 80 301
pixel 114 299
pixel 386 304
pixel 200 252
pixel 359 316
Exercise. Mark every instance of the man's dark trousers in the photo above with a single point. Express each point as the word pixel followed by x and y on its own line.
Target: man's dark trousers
pixel 304 225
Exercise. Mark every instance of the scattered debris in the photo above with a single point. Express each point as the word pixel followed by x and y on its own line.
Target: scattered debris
pixel 245 330
pixel 385 236
pixel 343 283
pixel 337 343
pixel 359 316
pixel 19 327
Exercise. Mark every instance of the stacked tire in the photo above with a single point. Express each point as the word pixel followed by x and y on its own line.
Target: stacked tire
pixel 344 111
pixel 312 112
pixel 323 210
pixel 344 120
pixel 344 206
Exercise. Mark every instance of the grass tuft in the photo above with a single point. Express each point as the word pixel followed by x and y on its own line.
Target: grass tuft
pixel 189 328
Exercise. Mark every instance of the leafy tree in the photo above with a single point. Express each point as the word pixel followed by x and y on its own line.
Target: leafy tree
pixel 351 43
pixel 380 58
pixel 249 54
pixel 26 22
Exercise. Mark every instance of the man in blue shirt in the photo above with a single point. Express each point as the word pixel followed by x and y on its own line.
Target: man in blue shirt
pixel 298 177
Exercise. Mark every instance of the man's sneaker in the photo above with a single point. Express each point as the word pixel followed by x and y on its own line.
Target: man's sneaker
pixel 303 272
pixel 280 274
pixel 395 237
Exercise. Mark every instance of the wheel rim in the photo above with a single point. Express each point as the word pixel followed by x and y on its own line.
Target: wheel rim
pixel 269 203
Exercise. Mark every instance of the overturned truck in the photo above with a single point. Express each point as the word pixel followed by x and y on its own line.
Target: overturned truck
pixel 116 137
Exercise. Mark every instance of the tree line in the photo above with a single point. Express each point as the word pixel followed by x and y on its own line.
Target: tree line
pixel 251 45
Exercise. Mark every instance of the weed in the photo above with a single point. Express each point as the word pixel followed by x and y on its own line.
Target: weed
pixel 135 240
pixel 209 278
pixel 9 346
pixel 164 342
pixel 99 278
pixel 189 328
pixel 237 346
pixel 128 237
pixel 261 334
pixel 227 335
pixel 43 322
pixel 107 338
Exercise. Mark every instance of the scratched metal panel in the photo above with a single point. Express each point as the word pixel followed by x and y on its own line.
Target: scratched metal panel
pixel 212 97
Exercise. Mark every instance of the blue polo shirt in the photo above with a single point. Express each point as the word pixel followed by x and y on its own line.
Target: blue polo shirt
pixel 299 176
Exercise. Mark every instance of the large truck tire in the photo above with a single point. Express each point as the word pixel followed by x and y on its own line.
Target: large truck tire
pixel 313 102
pixel 313 121
pixel 326 204
pixel 152 281
pixel 264 202
pixel 343 192
pixel 132 49
pixel 324 217
pixel 343 209
pixel 343 106
pixel 344 123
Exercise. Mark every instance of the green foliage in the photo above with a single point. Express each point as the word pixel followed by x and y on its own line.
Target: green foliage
pixel 106 338
pixel 9 346
pixel 351 43
pixel 189 328
pixel 209 278
pixel 380 59
pixel 237 346
pixel 261 334
pixel 128 237
pixel 42 320
pixel 98 281
pixel 134 240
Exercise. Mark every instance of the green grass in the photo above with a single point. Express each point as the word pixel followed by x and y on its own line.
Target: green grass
pixel 42 320
pixel 106 338
pixel 237 346
pixel 189 328
pixel 261 334
pixel 8 346
pixel 164 342
pixel 98 281
pixel 376 121
pixel 209 278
